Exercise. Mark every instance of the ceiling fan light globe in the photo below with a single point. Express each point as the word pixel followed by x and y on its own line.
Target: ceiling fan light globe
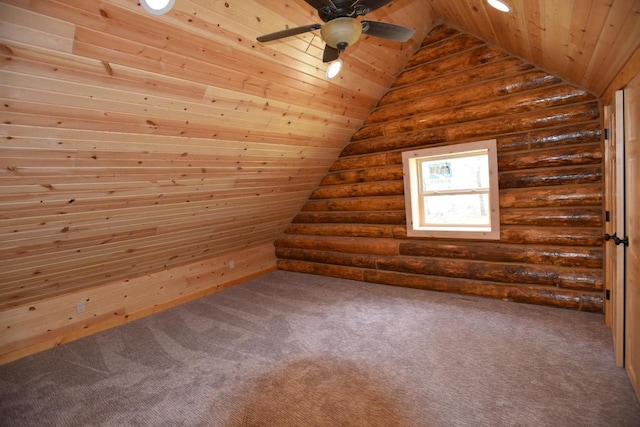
pixel 339 31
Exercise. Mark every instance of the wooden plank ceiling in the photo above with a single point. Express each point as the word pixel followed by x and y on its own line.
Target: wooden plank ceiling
pixel 132 142
pixel 586 42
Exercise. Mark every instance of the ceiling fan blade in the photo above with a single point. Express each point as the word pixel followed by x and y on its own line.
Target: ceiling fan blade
pixel 330 54
pixel 387 31
pixel 288 33
pixel 319 4
pixel 372 5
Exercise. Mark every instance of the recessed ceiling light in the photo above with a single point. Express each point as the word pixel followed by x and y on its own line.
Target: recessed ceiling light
pixel 157 7
pixel 500 5
pixel 334 68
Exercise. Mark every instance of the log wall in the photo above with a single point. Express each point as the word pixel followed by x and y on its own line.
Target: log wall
pixel 458 89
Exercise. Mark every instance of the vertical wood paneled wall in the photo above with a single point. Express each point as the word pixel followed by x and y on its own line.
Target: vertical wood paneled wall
pixel 457 89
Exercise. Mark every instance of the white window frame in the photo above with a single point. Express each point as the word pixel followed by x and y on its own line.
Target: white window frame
pixel 413 197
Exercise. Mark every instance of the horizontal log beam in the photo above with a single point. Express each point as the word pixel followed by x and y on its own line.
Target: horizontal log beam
pixel 562 236
pixel 564 277
pixel 568 217
pixel 382 188
pixel 452 45
pixel 592 302
pixel 468 59
pixel 492 70
pixel 540 217
pixel 523 258
pixel 550 296
pixel 555 297
pixel 361 162
pixel 385 173
pixel 511 266
pixel 343 230
pixel 333 217
pixel 327 257
pixel 492 90
pixel 342 272
pixel 530 101
pixel 382 203
pixel 556 196
pixel 572 135
pixel 552 176
pixel 521 142
pixel 535 255
pixel 439 33
pixel 579 155
pixel 490 128
pixel 586 154
pixel 353 245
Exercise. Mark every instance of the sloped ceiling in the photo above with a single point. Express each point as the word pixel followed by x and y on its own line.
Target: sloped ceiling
pixel 131 142
pixel 586 42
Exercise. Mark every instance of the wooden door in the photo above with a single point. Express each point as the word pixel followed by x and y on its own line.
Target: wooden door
pixel 614 204
pixel 632 225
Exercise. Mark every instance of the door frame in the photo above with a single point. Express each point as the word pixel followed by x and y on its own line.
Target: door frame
pixel 614 204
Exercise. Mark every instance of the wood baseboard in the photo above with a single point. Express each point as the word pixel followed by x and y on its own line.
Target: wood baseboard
pixel 35 327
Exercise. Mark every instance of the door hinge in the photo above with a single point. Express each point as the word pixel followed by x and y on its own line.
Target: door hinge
pixel 607 294
pixel 606 133
pixel 607 216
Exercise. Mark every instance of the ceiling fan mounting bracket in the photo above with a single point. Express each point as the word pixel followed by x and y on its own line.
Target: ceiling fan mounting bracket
pixel 341 29
pixel 342 10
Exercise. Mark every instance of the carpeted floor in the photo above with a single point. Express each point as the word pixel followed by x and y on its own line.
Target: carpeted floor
pixel 289 349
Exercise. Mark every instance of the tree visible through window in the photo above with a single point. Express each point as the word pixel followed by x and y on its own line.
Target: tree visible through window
pixel 452 191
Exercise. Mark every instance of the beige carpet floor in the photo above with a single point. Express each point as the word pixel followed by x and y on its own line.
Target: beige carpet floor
pixel 289 349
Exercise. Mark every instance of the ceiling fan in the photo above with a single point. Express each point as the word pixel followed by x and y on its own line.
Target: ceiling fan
pixel 341 28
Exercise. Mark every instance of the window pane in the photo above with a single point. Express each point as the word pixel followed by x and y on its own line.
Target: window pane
pixel 461 209
pixel 457 173
pixel 449 192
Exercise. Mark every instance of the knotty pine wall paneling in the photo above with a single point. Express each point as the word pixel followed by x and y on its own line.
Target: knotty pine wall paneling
pixel 136 146
pixel 455 89
pixel 50 322
pixel 134 142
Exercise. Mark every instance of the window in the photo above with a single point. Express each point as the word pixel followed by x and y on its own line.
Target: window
pixel 452 191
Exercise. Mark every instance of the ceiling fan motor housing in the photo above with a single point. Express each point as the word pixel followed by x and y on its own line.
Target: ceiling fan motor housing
pixel 341 8
pixel 341 32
